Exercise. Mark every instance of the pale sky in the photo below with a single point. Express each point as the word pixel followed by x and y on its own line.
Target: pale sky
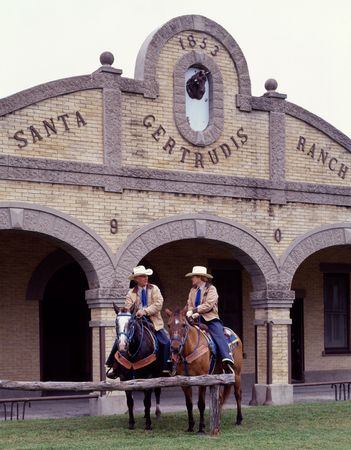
pixel 304 44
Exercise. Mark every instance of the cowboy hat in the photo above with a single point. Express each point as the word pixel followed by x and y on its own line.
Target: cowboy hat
pixel 140 271
pixel 199 271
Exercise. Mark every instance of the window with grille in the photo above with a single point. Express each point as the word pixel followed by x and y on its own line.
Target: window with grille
pixel 336 312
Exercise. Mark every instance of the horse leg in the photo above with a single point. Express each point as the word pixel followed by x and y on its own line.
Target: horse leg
pixel 147 405
pixel 189 406
pixel 158 396
pixel 130 403
pixel 237 393
pixel 201 405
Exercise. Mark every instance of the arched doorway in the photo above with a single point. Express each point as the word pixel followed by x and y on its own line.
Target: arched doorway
pixel 170 262
pixel 36 244
pixel 64 324
pixel 318 266
pixel 174 244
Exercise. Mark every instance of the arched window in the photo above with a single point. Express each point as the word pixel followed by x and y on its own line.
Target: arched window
pixel 197 97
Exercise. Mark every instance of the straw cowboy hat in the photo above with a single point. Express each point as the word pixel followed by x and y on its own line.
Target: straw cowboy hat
pixel 199 271
pixel 140 271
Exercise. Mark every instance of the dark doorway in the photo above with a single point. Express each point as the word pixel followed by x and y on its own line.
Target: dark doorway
pixel 65 333
pixel 227 279
pixel 297 342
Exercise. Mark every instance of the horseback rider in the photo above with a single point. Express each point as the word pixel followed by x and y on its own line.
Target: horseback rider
pixel 148 300
pixel 203 305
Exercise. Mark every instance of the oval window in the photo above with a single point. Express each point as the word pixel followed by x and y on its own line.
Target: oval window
pixel 197 103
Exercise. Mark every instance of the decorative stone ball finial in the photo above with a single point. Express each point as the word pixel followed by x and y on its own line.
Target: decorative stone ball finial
pixel 271 84
pixel 107 58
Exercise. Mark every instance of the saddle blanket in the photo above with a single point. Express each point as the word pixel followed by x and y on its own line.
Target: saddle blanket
pixel 232 340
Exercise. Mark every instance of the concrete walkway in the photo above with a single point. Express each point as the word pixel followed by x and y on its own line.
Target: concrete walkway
pixel 172 399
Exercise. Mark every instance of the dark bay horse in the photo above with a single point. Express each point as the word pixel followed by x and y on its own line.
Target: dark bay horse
pixel 192 356
pixel 137 358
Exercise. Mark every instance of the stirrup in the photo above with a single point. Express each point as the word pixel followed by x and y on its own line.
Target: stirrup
pixel 228 368
pixel 228 365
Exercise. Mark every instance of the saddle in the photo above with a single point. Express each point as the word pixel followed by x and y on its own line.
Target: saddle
pixel 230 336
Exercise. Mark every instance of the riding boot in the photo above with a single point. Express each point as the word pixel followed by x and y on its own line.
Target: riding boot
pixel 111 358
pixel 165 351
pixel 112 372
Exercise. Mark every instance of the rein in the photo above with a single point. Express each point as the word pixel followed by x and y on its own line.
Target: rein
pixel 195 354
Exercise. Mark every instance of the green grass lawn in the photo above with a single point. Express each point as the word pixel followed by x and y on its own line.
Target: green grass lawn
pixel 309 426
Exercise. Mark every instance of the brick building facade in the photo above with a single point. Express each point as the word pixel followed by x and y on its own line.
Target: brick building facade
pixel 99 173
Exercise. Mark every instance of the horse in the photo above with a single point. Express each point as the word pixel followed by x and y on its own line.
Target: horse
pixel 192 356
pixel 137 357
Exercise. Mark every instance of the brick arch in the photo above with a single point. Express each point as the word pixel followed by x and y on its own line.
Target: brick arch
pixel 311 242
pixel 145 68
pixel 250 250
pixel 83 244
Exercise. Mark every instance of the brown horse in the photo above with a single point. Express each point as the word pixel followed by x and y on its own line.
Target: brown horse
pixel 192 356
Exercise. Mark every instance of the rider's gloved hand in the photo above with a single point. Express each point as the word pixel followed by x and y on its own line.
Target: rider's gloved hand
pixel 189 313
pixel 195 316
pixel 140 313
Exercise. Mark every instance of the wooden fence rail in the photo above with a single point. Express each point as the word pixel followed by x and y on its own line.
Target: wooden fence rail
pixel 213 381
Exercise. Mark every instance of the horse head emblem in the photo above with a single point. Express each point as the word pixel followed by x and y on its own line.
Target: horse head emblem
pixel 196 85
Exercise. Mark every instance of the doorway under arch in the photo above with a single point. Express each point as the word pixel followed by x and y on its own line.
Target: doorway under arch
pixel 65 336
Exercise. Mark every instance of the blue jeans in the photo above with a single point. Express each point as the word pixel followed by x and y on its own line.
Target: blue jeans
pixel 215 327
pixel 164 345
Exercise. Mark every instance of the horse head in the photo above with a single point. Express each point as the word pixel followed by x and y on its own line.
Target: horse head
pixel 196 85
pixel 178 328
pixel 124 327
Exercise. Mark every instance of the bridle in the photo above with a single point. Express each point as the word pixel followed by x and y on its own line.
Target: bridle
pixel 130 334
pixel 176 338
pixel 177 354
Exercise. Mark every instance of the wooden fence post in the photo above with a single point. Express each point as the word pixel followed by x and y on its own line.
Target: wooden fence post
pixel 215 413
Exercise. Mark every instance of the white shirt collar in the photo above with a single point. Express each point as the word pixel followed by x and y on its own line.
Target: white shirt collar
pixel 201 285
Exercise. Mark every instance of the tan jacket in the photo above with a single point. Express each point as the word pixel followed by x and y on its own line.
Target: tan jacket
pixel 154 301
pixel 208 307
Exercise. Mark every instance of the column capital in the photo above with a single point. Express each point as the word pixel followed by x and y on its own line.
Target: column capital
pixel 103 297
pixel 272 298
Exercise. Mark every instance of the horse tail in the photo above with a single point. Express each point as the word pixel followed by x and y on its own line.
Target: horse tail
pixel 237 352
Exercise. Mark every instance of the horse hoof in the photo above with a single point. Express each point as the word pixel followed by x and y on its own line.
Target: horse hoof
pixel 190 430
pixel 131 426
pixel 201 432
pixel 148 428
pixel 158 414
pixel 238 423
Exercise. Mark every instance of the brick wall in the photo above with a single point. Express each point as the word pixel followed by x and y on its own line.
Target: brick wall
pixel 73 140
pixel 309 278
pixel 19 318
pixel 313 157
pixel 141 149
pixel 135 209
